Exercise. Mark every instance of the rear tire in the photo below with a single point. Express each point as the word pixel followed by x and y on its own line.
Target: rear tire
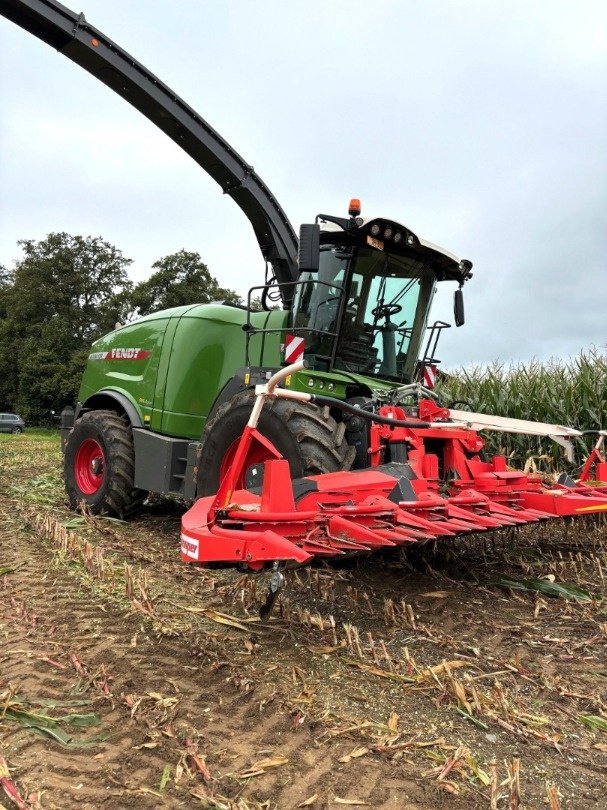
pixel 99 465
pixel 16 430
pixel 307 437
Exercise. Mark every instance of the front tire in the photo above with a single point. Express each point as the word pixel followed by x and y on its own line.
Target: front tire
pixel 99 465
pixel 306 436
pixel 16 430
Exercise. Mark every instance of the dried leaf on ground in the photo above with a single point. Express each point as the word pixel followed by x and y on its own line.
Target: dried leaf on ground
pixel 437 669
pixel 269 762
pixel 224 618
pixel 355 754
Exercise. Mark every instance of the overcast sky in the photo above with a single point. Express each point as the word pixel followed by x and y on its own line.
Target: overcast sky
pixel 480 125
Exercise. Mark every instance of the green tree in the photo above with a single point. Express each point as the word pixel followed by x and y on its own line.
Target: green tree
pixel 180 278
pixel 65 292
pixel 8 375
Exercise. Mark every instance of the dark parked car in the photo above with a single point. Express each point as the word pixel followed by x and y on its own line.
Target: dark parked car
pixel 11 423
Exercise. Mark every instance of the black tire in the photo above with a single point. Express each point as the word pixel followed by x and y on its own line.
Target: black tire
pixel 17 430
pixel 115 491
pixel 306 435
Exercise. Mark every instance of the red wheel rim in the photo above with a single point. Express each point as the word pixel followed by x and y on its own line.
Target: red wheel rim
pixel 89 467
pixel 257 455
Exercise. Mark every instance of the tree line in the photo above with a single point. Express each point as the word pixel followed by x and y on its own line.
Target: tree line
pixel 64 293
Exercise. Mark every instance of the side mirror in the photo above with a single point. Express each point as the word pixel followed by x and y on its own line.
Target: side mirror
pixel 309 248
pixel 458 307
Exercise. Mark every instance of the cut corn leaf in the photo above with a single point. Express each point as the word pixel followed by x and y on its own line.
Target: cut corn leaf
pixel 309 801
pixel 223 618
pixel 269 762
pixel 556 589
pixel 594 722
pixel 74 523
pixel 80 720
pixel 352 802
pixel 437 669
pixel 25 717
pixel 164 780
pixel 64 739
pixel 7 569
pixel 482 776
pixel 46 702
pixel 357 752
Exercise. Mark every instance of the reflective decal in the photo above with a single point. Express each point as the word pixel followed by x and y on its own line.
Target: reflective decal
pixel 189 547
pixel 294 348
pixel 429 376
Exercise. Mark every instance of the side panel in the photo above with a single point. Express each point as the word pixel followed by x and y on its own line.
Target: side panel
pixel 207 349
pixel 161 376
pixel 127 361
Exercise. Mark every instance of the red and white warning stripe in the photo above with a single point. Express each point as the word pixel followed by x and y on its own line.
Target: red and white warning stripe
pixel 294 348
pixel 429 376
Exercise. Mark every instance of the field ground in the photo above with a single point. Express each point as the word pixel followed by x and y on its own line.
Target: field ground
pixel 128 679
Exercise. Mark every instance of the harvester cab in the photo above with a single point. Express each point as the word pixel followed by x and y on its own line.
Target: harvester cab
pixel 364 294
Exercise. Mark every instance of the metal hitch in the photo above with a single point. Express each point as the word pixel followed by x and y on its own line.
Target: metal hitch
pixel 277 581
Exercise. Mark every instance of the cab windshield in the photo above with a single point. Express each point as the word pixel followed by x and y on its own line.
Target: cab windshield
pixel 364 312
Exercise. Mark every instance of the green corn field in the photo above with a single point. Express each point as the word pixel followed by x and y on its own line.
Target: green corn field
pixel 569 392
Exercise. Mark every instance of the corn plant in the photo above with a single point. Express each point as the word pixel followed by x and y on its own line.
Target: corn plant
pixel 569 392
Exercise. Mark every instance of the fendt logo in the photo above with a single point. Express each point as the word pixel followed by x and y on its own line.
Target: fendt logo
pixel 121 354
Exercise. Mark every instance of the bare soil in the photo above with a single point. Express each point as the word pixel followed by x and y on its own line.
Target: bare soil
pixel 392 682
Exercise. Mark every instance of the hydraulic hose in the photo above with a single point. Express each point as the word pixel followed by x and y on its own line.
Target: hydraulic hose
pixel 270 389
pixel 319 399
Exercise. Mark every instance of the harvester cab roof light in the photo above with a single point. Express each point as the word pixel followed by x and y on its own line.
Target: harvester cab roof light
pixel 354 208
pixel 375 229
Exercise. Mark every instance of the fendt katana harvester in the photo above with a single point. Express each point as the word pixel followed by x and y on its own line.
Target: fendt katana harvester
pixel 301 432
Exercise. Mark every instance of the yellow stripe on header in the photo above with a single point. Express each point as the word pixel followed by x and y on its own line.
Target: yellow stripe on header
pixel 601 508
